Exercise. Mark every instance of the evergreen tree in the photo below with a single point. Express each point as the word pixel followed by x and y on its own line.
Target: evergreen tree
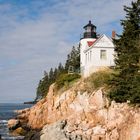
pixel 55 74
pixel 39 91
pixel 67 64
pixel 43 86
pixel 60 69
pixel 51 76
pixel 45 73
pixel 73 59
pixel 77 60
pixel 126 83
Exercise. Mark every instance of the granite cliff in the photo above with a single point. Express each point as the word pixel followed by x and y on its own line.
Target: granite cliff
pixel 82 114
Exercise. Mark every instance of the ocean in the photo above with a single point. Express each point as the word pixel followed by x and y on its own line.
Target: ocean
pixel 6 113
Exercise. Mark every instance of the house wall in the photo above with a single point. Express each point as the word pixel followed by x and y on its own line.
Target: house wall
pixel 93 61
pixel 90 59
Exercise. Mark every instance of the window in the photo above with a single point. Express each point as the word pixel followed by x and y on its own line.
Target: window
pixel 86 57
pixel 90 55
pixel 103 55
pixel 88 29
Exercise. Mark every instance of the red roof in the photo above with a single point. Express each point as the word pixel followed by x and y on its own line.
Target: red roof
pixel 90 43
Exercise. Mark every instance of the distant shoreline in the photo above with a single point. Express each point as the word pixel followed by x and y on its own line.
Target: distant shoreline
pixel 30 102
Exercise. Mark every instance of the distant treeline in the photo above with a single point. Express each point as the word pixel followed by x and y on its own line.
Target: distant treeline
pixel 72 65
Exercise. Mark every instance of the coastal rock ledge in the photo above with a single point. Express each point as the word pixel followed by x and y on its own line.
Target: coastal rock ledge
pixel 13 124
pixel 80 114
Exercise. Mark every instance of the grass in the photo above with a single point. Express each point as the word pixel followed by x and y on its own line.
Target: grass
pixel 99 79
pixel 93 82
pixel 65 80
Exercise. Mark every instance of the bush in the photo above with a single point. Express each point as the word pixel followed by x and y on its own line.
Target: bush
pixel 66 79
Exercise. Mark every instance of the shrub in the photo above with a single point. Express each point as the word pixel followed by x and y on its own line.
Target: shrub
pixel 66 79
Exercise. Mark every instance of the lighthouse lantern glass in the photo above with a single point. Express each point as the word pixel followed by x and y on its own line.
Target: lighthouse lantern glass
pixel 88 29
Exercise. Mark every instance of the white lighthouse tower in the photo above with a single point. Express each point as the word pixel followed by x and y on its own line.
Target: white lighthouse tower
pixel 89 37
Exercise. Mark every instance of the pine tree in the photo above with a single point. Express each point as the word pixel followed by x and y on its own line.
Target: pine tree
pixel 55 73
pixel 43 86
pixel 73 59
pixel 39 91
pixel 67 64
pixel 51 76
pixel 126 83
pixel 77 60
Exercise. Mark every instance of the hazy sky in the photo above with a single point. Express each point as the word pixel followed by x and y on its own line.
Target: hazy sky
pixel 38 34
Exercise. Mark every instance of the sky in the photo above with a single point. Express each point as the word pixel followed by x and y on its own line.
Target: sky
pixel 36 35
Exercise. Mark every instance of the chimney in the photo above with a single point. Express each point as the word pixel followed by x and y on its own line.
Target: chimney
pixel 113 34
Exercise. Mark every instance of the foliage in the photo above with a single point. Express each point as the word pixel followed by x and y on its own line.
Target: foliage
pixel 126 83
pixel 65 79
pixel 43 86
pixel 73 59
pixel 47 80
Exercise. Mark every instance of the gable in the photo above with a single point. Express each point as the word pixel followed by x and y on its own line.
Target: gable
pixel 104 41
pixel 90 43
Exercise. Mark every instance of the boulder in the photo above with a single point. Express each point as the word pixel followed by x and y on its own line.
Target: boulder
pixel 54 131
pixel 19 131
pixel 13 124
pixel 32 135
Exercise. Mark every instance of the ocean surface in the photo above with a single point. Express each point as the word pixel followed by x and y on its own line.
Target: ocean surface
pixel 6 113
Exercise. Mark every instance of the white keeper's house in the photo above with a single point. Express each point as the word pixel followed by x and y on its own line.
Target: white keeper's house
pixel 96 52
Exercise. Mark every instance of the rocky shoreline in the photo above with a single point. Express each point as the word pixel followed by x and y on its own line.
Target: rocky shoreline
pixel 80 114
pixel 19 126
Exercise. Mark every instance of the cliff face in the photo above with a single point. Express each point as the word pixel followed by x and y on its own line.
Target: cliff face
pixel 80 115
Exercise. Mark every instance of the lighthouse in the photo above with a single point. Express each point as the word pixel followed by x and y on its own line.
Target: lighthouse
pixel 89 37
pixel 95 52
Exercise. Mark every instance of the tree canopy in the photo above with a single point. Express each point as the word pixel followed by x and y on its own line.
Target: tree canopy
pixel 126 82
pixel 73 59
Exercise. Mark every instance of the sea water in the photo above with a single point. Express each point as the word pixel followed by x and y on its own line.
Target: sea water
pixel 6 113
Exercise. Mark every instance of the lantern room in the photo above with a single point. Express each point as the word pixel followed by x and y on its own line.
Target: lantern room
pixel 90 30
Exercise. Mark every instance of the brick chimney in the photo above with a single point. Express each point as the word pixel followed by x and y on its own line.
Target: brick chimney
pixel 113 34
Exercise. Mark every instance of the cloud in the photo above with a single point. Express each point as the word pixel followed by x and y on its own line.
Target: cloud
pixel 37 35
